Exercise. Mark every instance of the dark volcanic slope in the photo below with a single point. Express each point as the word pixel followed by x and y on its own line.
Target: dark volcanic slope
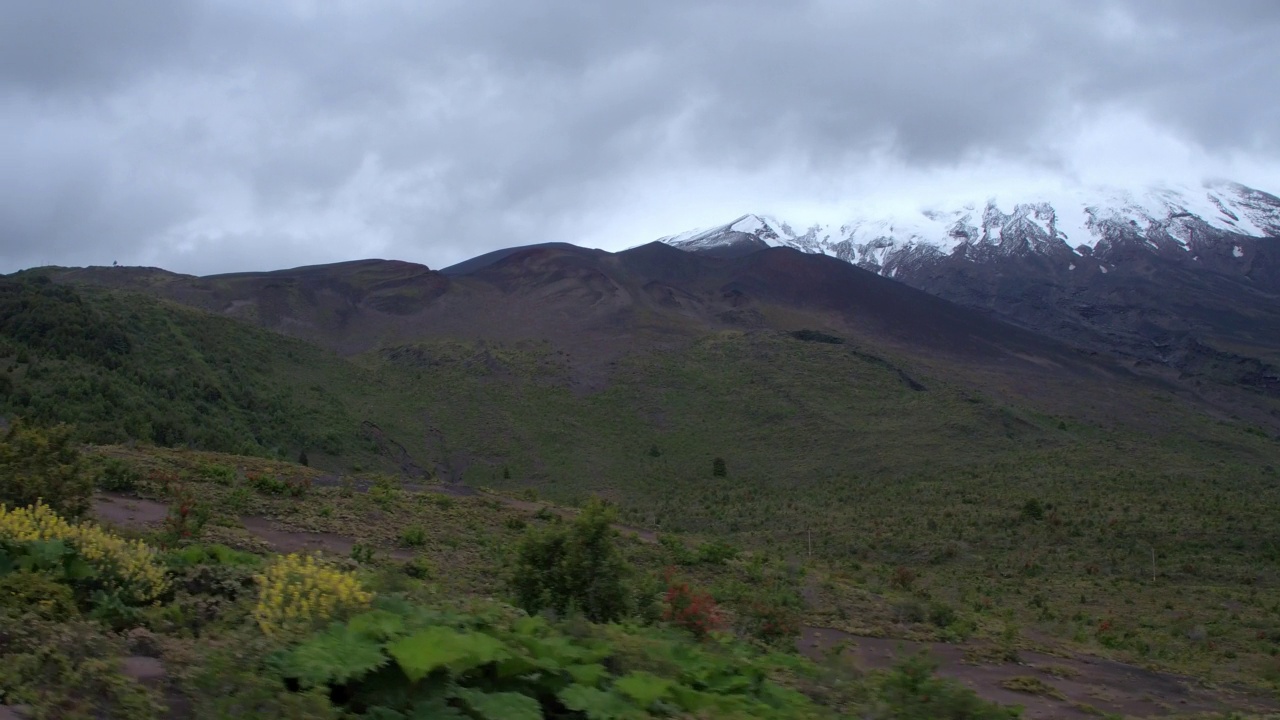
pixel 600 306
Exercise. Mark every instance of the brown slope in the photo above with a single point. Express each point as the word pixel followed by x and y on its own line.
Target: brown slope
pixel 599 306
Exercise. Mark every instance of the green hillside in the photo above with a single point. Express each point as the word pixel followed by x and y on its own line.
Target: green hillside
pixel 933 509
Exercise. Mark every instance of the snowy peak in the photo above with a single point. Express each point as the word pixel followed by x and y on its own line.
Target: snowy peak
pixel 1071 222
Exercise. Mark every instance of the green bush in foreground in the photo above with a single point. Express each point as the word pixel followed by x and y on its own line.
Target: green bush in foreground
pixel 574 569
pixel 406 661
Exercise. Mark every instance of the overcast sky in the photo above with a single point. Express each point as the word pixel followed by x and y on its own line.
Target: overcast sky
pixel 240 135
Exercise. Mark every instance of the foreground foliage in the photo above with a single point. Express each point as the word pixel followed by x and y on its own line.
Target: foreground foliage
pixel 36 538
pixel 42 465
pixel 297 592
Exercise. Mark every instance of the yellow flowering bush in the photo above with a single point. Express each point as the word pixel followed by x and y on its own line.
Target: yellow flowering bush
pixel 129 566
pixel 297 592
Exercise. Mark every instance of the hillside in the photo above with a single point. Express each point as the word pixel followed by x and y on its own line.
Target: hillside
pixel 1178 281
pixel 921 453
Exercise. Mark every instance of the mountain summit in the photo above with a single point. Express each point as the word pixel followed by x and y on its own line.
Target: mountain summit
pixel 1183 277
pixel 1080 222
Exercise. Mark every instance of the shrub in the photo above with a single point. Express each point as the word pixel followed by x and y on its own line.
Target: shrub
pixel 1032 510
pixel 220 474
pixel 771 622
pixel 268 484
pixel 37 592
pixel 573 568
pixel 363 554
pixel 69 669
pixel 413 537
pixel 299 592
pixel 128 567
pixel 693 611
pixel 716 552
pixel 718 468
pixel 941 614
pixel 187 517
pixel 903 578
pixel 419 567
pixel 43 466
pixel 118 476
pixel 679 553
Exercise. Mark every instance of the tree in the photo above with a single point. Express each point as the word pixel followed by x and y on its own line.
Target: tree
pixel 39 464
pixel 302 458
pixel 718 468
pixel 575 568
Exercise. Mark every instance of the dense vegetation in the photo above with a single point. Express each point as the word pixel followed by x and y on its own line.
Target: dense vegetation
pixel 132 368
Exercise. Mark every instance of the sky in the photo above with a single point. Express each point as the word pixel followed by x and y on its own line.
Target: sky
pixel 235 135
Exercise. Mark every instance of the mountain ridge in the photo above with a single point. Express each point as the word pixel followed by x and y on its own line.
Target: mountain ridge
pixel 1165 279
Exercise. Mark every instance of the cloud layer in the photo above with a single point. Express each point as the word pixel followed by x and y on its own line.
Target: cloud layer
pixel 218 136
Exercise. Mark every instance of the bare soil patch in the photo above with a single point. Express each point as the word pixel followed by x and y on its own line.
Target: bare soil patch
pixel 1088 686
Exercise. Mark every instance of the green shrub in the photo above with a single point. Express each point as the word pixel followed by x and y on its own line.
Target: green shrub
pixel 677 552
pixel 118 476
pixel 43 465
pixel 401 660
pixel 267 484
pixel 36 592
pixel 574 568
pixel 413 537
pixel 220 474
pixel 716 552
pixel 69 670
pixel 419 567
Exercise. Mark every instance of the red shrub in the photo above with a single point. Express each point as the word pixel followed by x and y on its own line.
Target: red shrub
pixel 693 611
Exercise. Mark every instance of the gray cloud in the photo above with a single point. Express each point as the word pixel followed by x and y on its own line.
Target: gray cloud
pixel 214 136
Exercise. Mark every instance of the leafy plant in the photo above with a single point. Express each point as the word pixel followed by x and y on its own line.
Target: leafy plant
pixel 297 592
pixel 43 466
pixel 41 593
pixel 118 476
pixel 187 517
pixel 413 537
pixel 574 568
pixel 128 567
pixel 694 611
pixel 402 660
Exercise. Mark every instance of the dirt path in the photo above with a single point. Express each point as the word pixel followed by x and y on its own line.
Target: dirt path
pixel 127 511
pixel 1083 685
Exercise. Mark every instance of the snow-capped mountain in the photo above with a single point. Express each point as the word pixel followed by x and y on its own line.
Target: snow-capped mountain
pixel 1185 277
pixel 1079 223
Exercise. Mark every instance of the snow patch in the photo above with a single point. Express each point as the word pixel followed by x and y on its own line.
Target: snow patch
pixel 1103 268
pixel 1072 266
pixel 1069 219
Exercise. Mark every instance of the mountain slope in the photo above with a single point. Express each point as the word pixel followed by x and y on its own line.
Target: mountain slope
pixel 1184 279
